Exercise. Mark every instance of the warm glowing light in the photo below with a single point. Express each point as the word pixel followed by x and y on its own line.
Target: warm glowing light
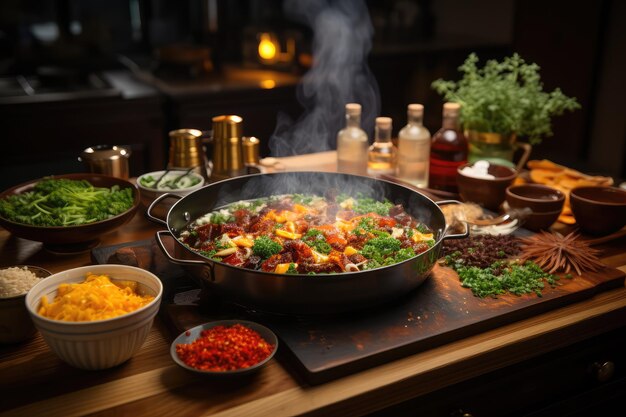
pixel 268 84
pixel 267 49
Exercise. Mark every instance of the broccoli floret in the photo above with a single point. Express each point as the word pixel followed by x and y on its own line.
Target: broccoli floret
pixel 385 250
pixel 266 247
pixel 316 240
pixel 381 247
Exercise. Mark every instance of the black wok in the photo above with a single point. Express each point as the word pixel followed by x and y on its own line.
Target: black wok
pixel 302 294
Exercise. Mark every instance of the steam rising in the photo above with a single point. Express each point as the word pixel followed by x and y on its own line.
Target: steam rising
pixel 318 183
pixel 339 75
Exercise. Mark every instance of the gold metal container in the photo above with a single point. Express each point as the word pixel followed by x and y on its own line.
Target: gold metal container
pixel 187 151
pixel 107 160
pixel 228 158
pixel 251 147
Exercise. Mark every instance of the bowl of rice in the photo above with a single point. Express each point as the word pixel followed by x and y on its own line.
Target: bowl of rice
pixel 97 316
pixel 15 281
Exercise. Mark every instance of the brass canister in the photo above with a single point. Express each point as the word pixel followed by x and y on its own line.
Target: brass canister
pixel 107 160
pixel 227 149
pixel 251 147
pixel 186 148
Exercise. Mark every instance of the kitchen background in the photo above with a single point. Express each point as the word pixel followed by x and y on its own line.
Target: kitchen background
pixel 80 73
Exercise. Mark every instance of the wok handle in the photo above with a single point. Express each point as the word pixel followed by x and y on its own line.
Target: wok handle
pixel 159 241
pixel 206 267
pixel 454 235
pixel 155 203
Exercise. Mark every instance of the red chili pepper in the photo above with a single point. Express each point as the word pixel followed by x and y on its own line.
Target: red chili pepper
pixel 223 348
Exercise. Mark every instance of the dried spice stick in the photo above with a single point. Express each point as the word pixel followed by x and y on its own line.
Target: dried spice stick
pixel 554 252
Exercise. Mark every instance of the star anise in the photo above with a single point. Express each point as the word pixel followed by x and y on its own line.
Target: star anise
pixel 554 252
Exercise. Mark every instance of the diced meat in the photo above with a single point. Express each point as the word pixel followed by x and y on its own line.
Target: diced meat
pixel 300 251
pixel 357 258
pixel 232 230
pixel 282 258
pixel 243 217
pixel 253 262
pixel 336 241
pixel 395 210
pixel 208 232
pixel 236 259
pixel 263 227
pixel 325 268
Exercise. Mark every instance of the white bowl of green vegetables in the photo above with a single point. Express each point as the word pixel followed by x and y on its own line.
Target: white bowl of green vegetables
pixel 179 182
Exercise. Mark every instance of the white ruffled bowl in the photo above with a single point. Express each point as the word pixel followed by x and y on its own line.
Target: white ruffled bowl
pixel 96 344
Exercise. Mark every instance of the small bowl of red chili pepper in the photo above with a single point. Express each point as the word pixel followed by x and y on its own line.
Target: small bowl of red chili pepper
pixel 224 347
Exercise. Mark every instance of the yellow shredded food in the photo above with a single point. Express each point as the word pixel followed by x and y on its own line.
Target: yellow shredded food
pixel 96 298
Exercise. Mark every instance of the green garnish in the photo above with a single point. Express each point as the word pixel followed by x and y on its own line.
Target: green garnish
pixel 266 247
pixel 364 205
pixel 505 97
pixel 316 240
pixel 502 277
pixel 63 202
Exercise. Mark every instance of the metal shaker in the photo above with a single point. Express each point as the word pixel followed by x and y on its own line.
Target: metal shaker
pixel 106 160
pixel 228 159
pixel 187 151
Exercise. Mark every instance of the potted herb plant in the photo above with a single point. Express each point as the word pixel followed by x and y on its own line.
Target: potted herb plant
pixel 501 101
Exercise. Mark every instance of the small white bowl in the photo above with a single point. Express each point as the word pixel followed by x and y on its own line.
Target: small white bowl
pixel 148 194
pixel 96 344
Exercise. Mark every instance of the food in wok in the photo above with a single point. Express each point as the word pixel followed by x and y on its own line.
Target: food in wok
pixel 309 234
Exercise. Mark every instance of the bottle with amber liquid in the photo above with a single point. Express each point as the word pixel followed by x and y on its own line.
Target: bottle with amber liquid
pixel 448 150
pixel 382 153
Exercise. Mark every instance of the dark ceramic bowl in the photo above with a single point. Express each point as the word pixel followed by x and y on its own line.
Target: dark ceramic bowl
pixel 192 334
pixel 599 210
pixel 15 322
pixel 540 221
pixel 539 198
pixel 488 193
pixel 64 235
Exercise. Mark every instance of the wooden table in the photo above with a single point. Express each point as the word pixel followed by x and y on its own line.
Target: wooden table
pixel 34 382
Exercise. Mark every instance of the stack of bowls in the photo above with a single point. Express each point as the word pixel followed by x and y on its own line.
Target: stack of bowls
pixel 545 202
pixel 97 344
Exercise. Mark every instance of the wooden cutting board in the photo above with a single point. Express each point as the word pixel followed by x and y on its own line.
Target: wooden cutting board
pixel 439 311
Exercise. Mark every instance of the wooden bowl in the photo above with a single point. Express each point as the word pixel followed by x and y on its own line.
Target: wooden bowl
pixel 599 210
pixel 539 198
pixel 488 193
pixel 64 235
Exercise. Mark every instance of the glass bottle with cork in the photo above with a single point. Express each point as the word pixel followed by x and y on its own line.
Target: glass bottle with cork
pixel 414 148
pixel 382 154
pixel 448 150
pixel 352 143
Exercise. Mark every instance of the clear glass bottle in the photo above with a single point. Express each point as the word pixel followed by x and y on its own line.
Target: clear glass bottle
pixel 352 143
pixel 414 148
pixel 382 153
pixel 448 150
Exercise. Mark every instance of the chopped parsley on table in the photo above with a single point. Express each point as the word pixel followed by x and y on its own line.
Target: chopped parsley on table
pixel 489 272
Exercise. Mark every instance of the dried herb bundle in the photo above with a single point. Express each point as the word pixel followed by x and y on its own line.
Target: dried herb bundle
pixel 555 252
